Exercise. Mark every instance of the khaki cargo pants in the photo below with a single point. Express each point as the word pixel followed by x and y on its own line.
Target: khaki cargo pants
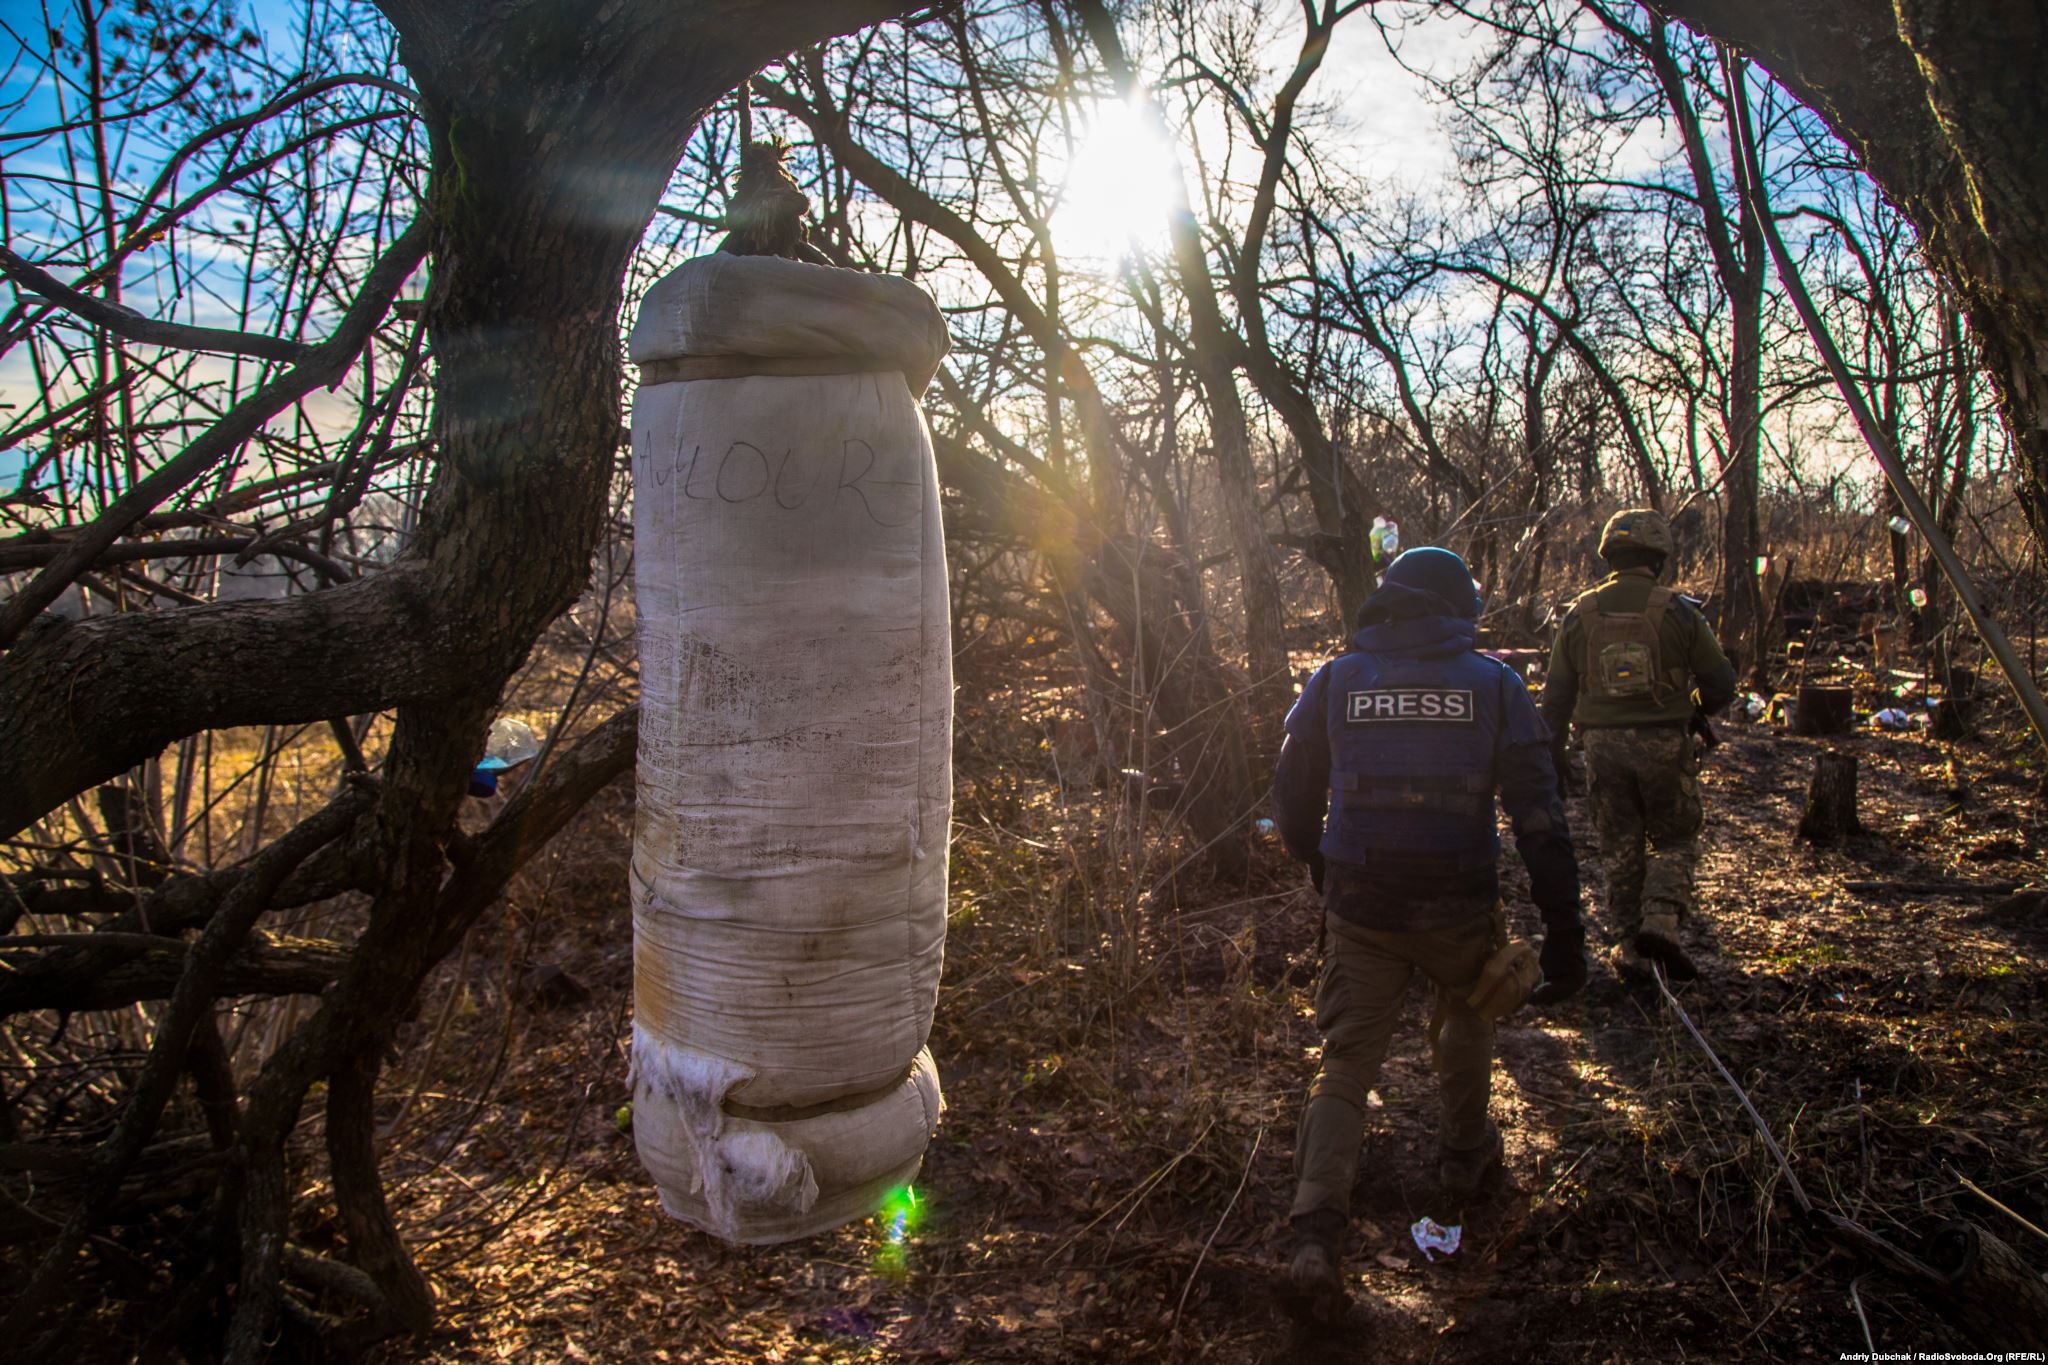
pixel 1358 1001
pixel 1645 788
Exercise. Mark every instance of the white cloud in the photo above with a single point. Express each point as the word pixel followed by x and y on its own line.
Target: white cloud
pixel 1396 132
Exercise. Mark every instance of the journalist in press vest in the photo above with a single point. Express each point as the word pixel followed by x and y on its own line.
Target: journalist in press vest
pixel 1395 755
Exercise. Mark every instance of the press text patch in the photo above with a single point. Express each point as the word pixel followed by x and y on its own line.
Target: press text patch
pixel 1409 703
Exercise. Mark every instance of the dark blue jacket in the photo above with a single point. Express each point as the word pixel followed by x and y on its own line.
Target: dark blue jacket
pixel 1404 744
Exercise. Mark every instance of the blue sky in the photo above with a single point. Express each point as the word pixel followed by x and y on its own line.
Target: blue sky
pixel 146 288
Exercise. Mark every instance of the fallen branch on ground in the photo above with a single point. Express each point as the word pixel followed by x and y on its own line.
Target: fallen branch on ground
pixel 1970 1277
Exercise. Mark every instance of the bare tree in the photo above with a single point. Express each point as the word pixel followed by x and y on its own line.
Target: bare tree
pixel 551 135
pixel 1939 105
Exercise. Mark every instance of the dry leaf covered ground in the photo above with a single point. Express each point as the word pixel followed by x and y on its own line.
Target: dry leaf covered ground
pixel 1124 1053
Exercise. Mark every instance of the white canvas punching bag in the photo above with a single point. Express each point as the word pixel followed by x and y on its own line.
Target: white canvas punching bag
pixel 794 782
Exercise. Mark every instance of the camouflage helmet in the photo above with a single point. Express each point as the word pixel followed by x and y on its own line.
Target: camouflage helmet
pixel 1639 527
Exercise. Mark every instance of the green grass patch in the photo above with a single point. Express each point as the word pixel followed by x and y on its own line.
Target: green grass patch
pixel 1809 955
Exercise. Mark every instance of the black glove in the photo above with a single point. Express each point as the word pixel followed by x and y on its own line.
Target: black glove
pixel 1315 870
pixel 1563 959
pixel 1553 873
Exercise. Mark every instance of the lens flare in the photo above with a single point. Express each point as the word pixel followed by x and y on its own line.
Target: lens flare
pixel 897 1220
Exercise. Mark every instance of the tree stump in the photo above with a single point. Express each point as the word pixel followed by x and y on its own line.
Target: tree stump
pixel 1824 710
pixel 1952 719
pixel 1955 714
pixel 1991 1292
pixel 1831 800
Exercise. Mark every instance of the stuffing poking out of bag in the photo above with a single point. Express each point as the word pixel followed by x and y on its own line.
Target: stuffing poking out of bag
pixel 794 778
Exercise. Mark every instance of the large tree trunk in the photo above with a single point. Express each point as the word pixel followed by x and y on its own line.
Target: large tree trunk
pixel 1943 102
pixel 1735 241
pixel 1742 621
pixel 1218 355
pixel 1272 683
pixel 554 129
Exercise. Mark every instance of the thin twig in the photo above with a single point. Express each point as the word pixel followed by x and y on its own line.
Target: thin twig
pixel 1241 1181
pixel 1862 1148
pixel 1978 1190
pixel 1857 1299
pixel 1798 1190
pixel 125 322
pixel 1143 1188
pixel 1550 1189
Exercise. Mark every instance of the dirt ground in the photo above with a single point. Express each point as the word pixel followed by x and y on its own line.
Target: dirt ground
pixel 1124 1052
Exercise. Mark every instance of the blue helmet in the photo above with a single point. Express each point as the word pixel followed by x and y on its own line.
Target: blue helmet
pixel 1428 568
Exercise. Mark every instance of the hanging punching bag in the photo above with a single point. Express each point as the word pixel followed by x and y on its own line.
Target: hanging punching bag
pixel 794 780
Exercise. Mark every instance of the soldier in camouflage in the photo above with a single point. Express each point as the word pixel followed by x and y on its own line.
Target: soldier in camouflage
pixel 1633 664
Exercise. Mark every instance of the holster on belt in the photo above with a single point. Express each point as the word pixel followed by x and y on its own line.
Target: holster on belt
pixel 1508 976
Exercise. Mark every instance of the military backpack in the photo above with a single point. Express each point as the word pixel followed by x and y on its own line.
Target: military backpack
pixel 1625 653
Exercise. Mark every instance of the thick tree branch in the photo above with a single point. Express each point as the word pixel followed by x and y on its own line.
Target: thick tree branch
pixel 16 555
pixel 205 965
pixel 263 966
pixel 325 364
pixel 126 322
pixel 400 1299
pixel 533 817
pixel 82 702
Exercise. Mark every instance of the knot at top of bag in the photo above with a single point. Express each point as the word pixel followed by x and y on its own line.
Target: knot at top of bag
pixel 764 306
pixel 766 303
pixel 766 216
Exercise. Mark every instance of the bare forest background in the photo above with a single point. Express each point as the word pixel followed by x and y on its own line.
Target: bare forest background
pixel 1203 339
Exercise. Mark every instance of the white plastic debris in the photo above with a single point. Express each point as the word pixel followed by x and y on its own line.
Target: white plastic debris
pixel 1433 1239
pixel 512 742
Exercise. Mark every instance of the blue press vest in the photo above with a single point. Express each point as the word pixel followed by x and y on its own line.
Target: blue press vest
pixel 1412 769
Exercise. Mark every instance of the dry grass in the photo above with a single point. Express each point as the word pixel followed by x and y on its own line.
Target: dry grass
pixel 1125 1042
pixel 1123 1073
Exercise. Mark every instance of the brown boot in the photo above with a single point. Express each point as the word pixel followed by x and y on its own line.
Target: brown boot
pixel 1657 940
pixel 1314 1291
pixel 1462 1171
pixel 1626 965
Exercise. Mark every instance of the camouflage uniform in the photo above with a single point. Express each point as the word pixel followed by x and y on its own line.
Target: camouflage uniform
pixel 1632 665
pixel 1645 789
